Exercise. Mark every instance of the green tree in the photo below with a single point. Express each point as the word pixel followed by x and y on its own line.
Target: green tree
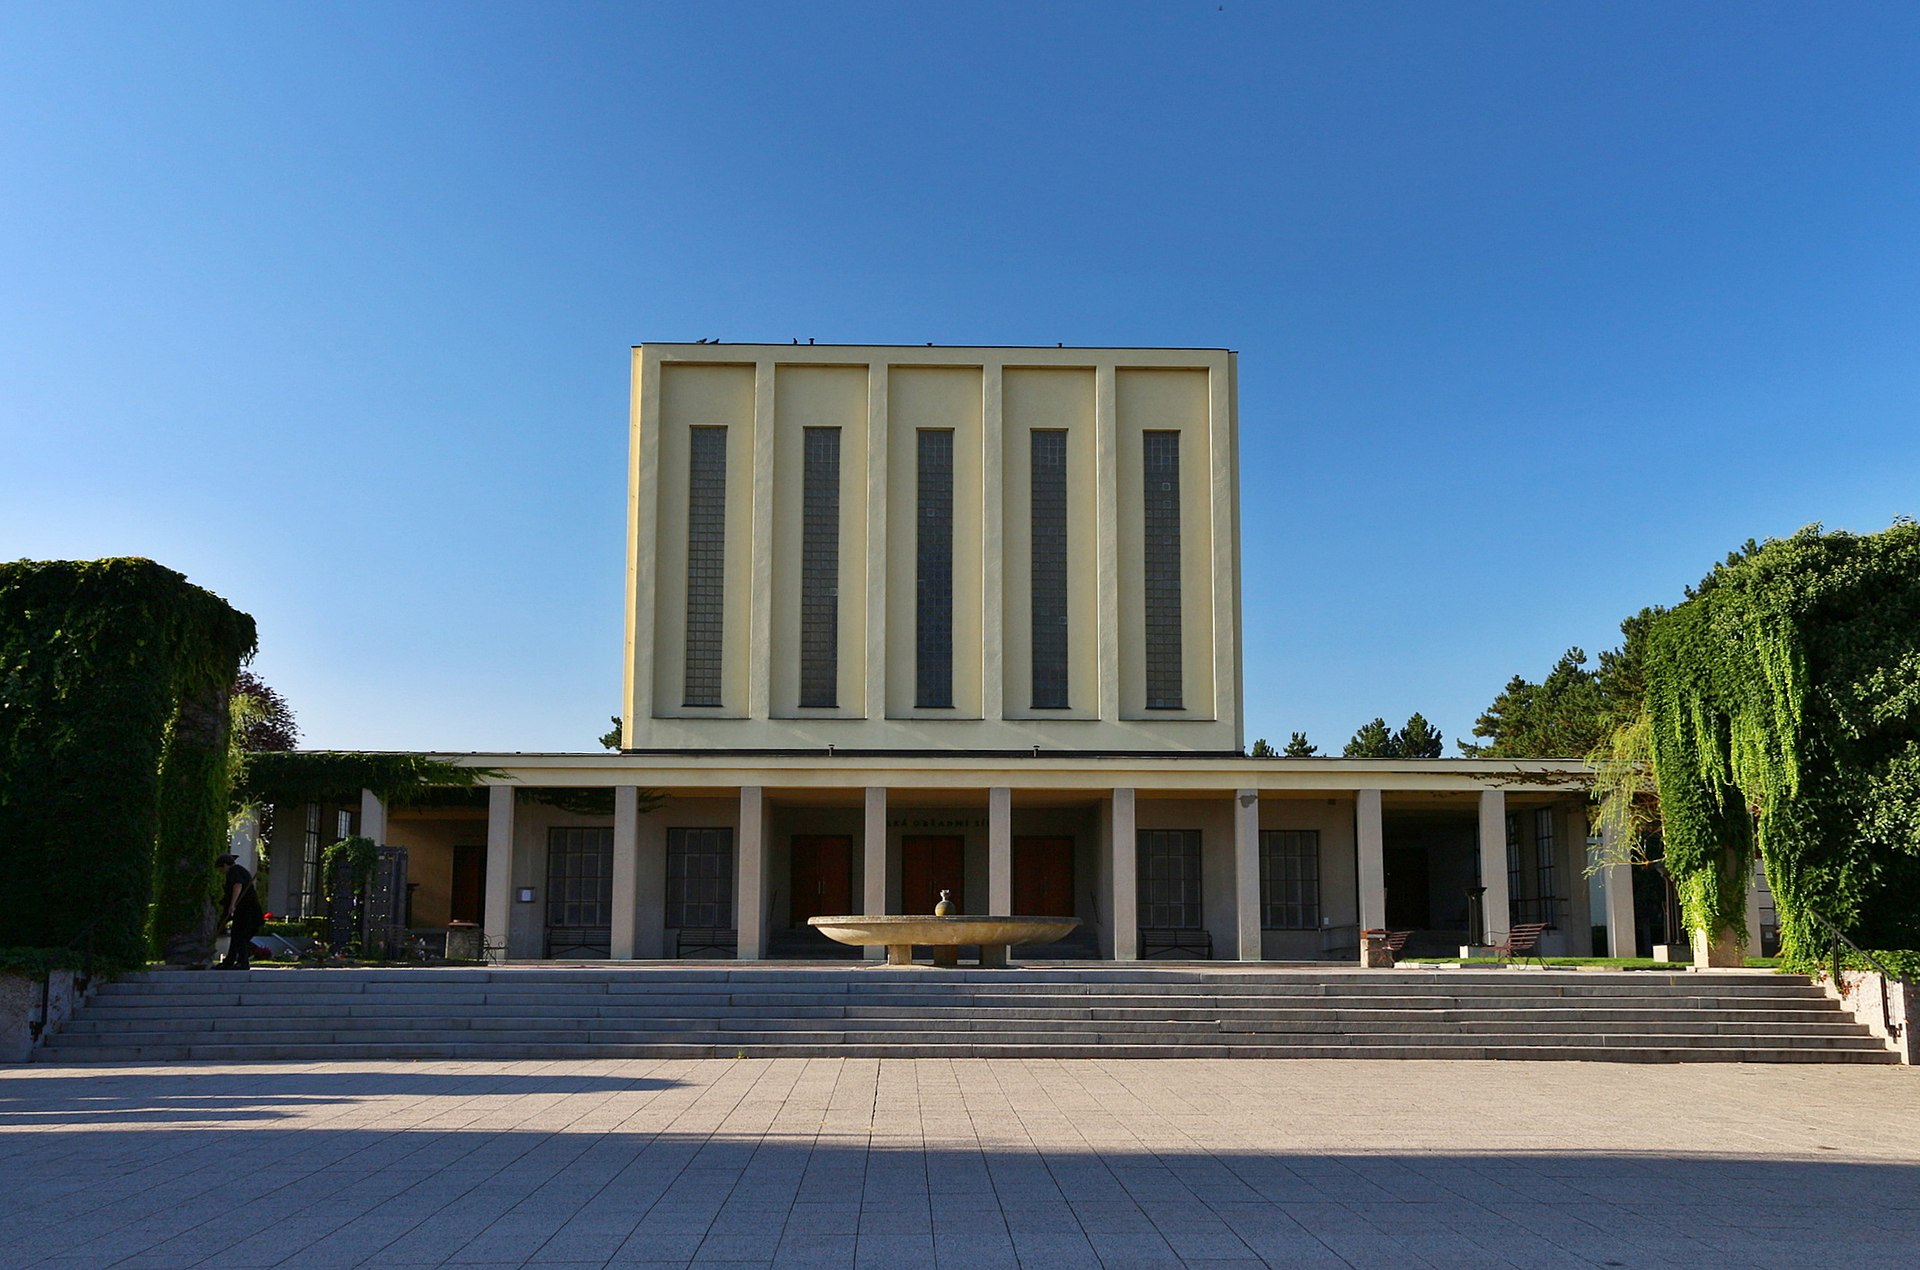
pixel 1262 750
pixel 1298 747
pixel 611 739
pixel 1563 716
pixel 1418 739
pixel 1373 740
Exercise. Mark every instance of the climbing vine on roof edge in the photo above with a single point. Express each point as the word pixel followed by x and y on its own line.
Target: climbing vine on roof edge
pixel 1784 706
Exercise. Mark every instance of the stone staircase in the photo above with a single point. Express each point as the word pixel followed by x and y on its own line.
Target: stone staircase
pixel 682 1010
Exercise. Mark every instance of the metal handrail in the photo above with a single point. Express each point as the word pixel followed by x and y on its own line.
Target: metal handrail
pixel 1886 1009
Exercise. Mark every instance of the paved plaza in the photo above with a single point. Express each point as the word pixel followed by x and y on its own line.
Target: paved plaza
pixel 964 1163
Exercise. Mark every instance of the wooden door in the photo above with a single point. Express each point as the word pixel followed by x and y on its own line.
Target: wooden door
pixel 1043 877
pixel 467 901
pixel 928 866
pixel 822 877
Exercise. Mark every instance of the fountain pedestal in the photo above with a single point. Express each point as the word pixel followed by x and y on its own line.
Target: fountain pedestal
pixel 945 935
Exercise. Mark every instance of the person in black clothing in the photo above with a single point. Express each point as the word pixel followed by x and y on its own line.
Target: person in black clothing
pixel 240 909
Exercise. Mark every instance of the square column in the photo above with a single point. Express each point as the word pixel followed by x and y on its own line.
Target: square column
pixel 1246 871
pixel 1370 848
pixel 1000 851
pixel 1122 846
pixel 626 871
pixel 1616 882
pixel 1493 860
pixel 499 906
pixel 750 875
pixel 873 861
pixel 373 817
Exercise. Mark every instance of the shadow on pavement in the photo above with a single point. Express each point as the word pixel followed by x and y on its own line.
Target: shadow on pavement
pixel 582 1196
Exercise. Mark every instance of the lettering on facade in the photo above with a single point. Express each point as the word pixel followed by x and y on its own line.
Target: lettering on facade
pixel 937 822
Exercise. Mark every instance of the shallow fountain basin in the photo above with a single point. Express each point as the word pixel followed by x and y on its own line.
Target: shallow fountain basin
pixel 898 934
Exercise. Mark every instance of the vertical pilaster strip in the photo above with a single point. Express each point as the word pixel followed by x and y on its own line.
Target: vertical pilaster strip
pixel 1370 848
pixel 643 483
pixel 1493 858
pixel 499 906
pixel 373 817
pixel 750 897
pixel 873 860
pixel 1106 441
pixel 1126 882
pixel 1000 851
pixel 993 676
pixel 760 602
pixel 626 871
pixel 1224 390
pixel 1246 871
pixel 878 549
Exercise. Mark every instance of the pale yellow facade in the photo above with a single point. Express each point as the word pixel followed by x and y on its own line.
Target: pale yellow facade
pixel 879 400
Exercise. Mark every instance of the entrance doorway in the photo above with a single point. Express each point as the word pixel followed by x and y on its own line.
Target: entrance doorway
pixel 822 877
pixel 928 866
pixel 467 902
pixel 1043 877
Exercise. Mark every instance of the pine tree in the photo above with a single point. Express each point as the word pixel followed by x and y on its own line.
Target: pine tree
pixel 1418 739
pixel 1373 740
pixel 1297 747
pixel 1262 750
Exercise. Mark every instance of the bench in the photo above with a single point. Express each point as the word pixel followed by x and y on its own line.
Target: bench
pixel 1380 949
pixel 1523 942
pixel 1155 941
pixel 694 941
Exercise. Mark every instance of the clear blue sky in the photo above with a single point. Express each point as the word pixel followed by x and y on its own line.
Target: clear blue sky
pixel 1541 308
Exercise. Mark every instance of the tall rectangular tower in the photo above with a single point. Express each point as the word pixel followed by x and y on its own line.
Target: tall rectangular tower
pixel 933 549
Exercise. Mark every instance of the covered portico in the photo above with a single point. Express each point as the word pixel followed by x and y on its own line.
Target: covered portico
pixel 1224 858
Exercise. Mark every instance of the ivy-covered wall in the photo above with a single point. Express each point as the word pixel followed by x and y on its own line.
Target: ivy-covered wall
pixel 1784 702
pixel 108 669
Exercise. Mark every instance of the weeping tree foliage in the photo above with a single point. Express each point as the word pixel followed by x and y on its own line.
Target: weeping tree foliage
pixel 114 768
pixel 1783 714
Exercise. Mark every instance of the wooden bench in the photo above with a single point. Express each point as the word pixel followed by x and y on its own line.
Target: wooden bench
pixel 1523 942
pixel 1156 941
pixel 693 940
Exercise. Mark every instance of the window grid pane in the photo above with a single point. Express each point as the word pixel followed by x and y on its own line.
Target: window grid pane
pixel 579 878
pixel 1161 473
pixel 1544 874
pixel 706 563
pixel 933 595
pixel 1515 875
pixel 820 570
pixel 1169 879
pixel 1049 568
pixel 1290 879
pixel 699 879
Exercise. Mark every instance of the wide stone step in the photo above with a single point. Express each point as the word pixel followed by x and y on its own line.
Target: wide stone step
pixel 786 1048
pixel 674 1010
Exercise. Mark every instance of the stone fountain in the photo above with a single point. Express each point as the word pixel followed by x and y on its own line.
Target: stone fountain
pixel 943 932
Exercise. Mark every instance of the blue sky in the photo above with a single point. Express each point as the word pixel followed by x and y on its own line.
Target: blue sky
pixel 1541 308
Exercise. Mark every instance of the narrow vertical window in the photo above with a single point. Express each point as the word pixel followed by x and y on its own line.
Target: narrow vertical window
pixel 1514 872
pixel 1545 875
pixel 699 879
pixel 706 563
pixel 1161 475
pixel 820 569
pixel 933 555
pixel 1049 568
pixel 1290 879
pixel 1169 878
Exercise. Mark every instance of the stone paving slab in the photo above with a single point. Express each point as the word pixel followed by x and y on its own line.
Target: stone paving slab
pixel 851 1163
